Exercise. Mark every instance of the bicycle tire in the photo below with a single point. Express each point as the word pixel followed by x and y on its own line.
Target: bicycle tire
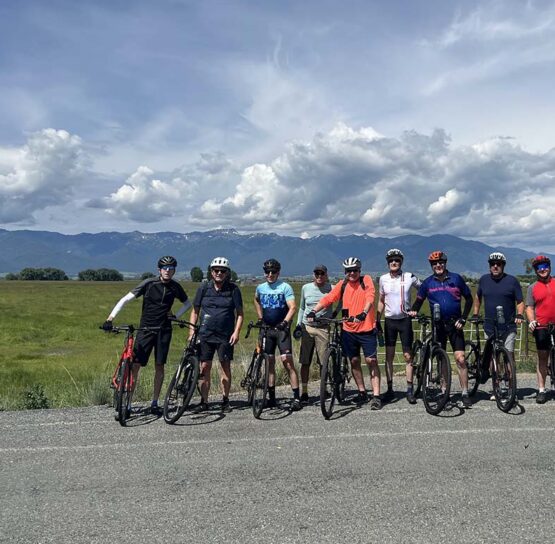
pixel 116 387
pixel 260 388
pixel 437 381
pixel 503 378
pixel 125 392
pixel 418 353
pixel 551 367
pixel 249 378
pixel 472 360
pixel 181 388
pixel 328 389
pixel 340 373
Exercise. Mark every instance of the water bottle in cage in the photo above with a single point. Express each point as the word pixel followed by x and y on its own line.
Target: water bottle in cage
pixel 437 312
pixel 500 315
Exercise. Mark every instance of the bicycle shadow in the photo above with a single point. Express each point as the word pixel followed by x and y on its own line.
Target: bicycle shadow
pixel 452 409
pixel 193 419
pixel 141 416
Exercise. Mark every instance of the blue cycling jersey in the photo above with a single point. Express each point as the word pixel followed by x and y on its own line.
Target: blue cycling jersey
pixel 273 299
pixel 448 293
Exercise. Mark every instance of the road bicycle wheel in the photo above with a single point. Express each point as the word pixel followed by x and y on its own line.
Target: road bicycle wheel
pixel 328 389
pixel 260 386
pixel 181 388
pixel 418 353
pixel 472 360
pixel 503 377
pixel 124 392
pixel 248 381
pixel 115 385
pixel 437 381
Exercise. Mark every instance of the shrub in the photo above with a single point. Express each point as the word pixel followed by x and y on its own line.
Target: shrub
pixel 34 398
pixel 100 274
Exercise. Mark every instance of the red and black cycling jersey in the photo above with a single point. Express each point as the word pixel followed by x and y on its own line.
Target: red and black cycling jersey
pixel 158 299
pixel 541 297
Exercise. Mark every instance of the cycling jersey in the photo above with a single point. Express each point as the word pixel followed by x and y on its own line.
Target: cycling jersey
pixel 355 298
pixel 504 291
pixel 447 293
pixel 273 298
pixel 310 296
pixel 158 298
pixel 395 293
pixel 541 297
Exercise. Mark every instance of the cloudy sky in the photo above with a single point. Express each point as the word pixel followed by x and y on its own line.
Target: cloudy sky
pixel 374 117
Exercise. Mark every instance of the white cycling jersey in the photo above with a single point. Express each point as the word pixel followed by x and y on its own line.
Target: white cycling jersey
pixel 395 293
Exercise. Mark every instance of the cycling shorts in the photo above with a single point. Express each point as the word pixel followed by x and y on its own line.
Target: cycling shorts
pixel 401 328
pixel 543 339
pixel 353 341
pixel 146 341
pixel 455 336
pixel 279 339
pixel 208 349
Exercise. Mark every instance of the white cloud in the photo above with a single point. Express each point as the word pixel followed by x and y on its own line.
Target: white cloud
pixel 42 173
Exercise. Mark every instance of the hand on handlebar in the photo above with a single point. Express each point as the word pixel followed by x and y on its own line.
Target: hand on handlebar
pixel 532 325
pixel 459 324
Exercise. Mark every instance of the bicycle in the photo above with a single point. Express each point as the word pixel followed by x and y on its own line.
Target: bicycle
pixel 256 378
pixel 496 360
pixel 334 372
pixel 182 385
pixel 432 368
pixel 123 380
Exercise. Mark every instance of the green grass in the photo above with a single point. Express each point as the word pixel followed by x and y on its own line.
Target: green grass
pixel 53 353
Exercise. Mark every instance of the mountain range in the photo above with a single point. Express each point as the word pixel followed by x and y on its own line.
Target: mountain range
pixel 137 252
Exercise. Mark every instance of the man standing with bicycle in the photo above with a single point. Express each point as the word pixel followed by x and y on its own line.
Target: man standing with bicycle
pixel 500 290
pixel 394 298
pixel 220 306
pixel 540 311
pixel 312 335
pixel 357 295
pixel 448 289
pixel 159 294
pixel 274 302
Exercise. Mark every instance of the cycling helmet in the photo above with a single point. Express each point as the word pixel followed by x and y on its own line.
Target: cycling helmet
pixel 271 264
pixel 497 257
pixel 222 262
pixel 540 259
pixel 352 262
pixel 394 253
pixel 435 256
pixel 168 260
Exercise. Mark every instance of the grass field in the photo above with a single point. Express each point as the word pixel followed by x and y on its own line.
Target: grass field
pixel 54 355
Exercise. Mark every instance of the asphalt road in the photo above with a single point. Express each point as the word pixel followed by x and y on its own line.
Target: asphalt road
pixel 397 475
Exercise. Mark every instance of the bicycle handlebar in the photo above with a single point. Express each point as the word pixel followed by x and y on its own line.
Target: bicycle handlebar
pixel 182 323
pixel 331 320
pixel 129 328
pixel 253 325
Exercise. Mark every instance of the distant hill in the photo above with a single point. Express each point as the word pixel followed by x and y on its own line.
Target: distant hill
pixel 136 252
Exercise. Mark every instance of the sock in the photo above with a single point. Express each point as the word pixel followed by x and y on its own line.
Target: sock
pixel 305 388
pixel 154 403
pixel 464 392
pixel 225 399
pixel 390 385
pixel 295 392
pixel 409 387
pixel 272 392
pixel 542 390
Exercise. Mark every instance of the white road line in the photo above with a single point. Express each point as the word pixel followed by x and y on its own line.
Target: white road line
pixel 341 436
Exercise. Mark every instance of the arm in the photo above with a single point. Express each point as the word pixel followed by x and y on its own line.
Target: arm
pixel 186 305
pixel 257 307
pixel 238 300
pixel 477 304
pixel 193 319
pixel 121 303
pixel 300 315
pixel 292 305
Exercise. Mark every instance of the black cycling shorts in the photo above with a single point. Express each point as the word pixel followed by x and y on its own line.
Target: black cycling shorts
pixel 399 327
pixel 542 338
pixel 279 339
pixel 146 341
pixel 455 336
pixel 208 349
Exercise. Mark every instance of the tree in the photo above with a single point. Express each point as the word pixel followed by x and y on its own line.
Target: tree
pixel 101 274
pixel 146 275
pixel 234 276
pixel 196 274
pixel 11 276
pixel 42 274
pixel 528 265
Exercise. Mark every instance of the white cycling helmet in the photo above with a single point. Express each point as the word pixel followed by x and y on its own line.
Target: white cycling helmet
pixel 496 256
pixel 394 253
pixel 352 262
pixel 221 262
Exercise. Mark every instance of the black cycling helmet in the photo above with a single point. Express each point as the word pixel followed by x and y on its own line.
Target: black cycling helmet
pixel 271 264
pixel 168 260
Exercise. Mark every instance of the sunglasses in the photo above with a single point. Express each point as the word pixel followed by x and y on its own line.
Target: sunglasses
pixel 319 273
pixel 541 267
pixel 219 270
pixel 496 263
pixel 394 261
pixel 272 271
pixel 351 270
pixel 168 268
pixel 436 263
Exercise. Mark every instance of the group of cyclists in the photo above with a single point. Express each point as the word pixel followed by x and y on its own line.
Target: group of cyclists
pixel 217 309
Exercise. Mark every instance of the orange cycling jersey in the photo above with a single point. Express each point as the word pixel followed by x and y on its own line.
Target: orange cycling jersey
pixel 355 299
